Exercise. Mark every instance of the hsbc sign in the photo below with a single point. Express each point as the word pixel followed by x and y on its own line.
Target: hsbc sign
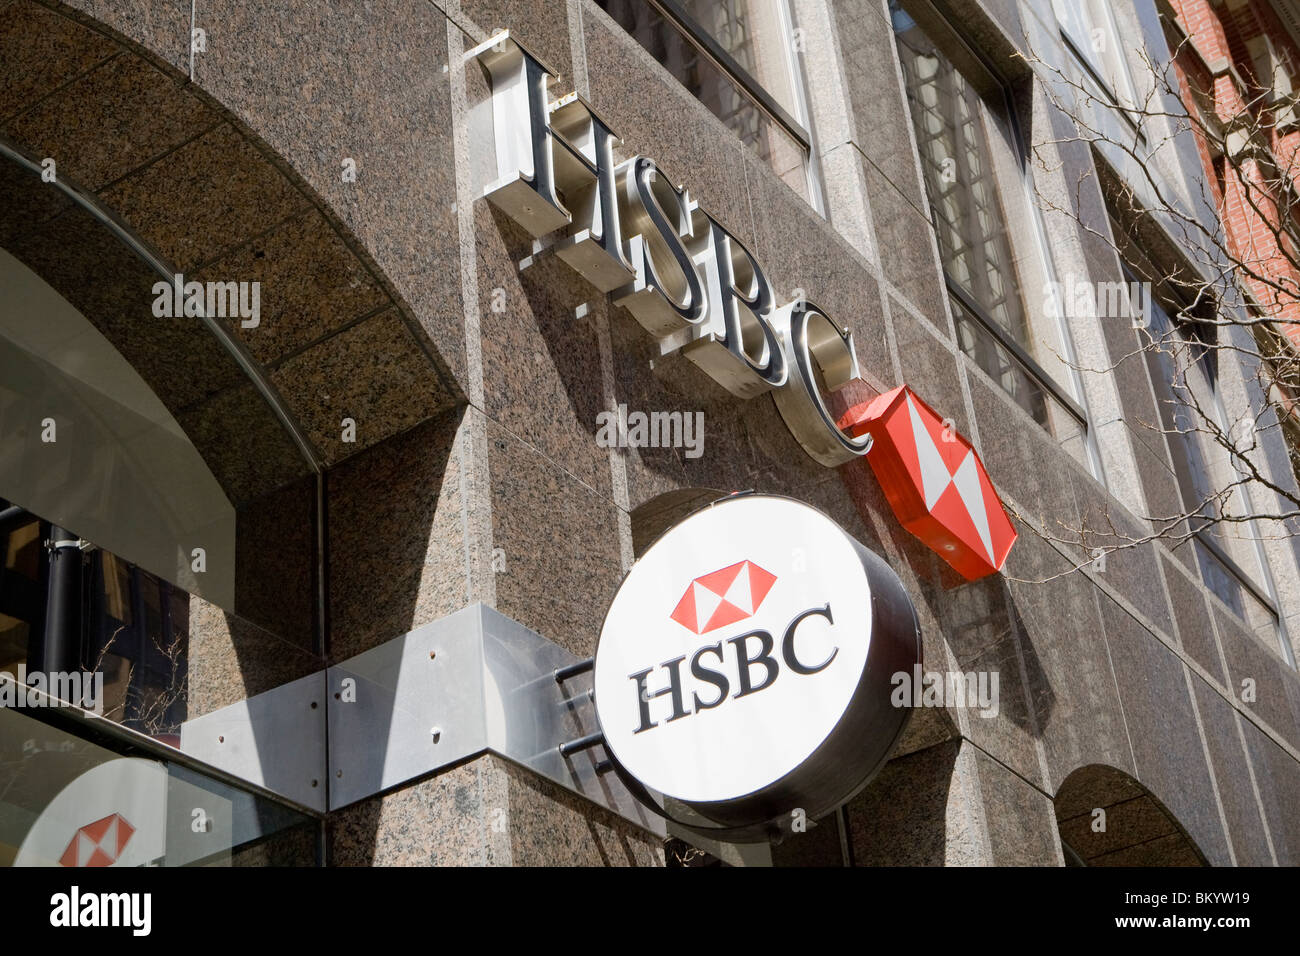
pixel 715 601
pixel 633 233
pixel 629 231
pixel 934 481
pixel 744 667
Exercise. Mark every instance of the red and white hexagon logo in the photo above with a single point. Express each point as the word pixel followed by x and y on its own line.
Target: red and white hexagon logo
pixel 99 843
pixel 723 597
pixel 934 481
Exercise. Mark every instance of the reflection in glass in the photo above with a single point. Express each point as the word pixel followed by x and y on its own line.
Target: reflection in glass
pixel 990 355
pixel 753 34
pixel 732 24
pixel 68 801
pixel 948 116
pixel 188 509
pixel 119 469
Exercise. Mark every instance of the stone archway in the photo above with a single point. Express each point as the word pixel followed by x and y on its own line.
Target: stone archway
pixel 118 169
pixel 130 140
pixel 1107 818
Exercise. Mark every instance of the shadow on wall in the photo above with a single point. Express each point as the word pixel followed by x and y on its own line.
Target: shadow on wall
pixel 657 515
pixel 1106 818
pixel 396 561
pixel 902 817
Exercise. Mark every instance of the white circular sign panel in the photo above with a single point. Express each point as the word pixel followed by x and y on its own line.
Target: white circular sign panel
pixel 796 566
pixel 114 814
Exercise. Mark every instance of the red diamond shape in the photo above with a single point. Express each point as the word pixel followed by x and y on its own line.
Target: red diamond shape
pixel 935 481
pixel 723 597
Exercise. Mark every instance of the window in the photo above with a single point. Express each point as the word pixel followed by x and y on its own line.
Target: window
pixel 1184 372
pixel 737 57
pixel 1271 65
pixel 968 148
pixel 1274 69
pixel 1089 31
pixel 1282 378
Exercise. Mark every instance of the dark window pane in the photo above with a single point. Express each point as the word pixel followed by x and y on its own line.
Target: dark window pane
pixel 1221 581
pixel 1168 354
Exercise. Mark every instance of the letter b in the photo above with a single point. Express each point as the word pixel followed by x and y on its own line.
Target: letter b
pixel 744 662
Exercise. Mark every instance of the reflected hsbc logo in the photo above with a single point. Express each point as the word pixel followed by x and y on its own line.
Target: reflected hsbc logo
pixel 99 843
pixel 719 669
pixel 630 232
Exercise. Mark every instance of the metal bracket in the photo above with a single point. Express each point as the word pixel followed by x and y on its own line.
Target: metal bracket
pixel 81 544
pixel 470 683
pixel 274 739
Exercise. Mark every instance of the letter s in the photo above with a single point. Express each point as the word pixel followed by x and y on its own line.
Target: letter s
pixel 716 678
pixel 683 291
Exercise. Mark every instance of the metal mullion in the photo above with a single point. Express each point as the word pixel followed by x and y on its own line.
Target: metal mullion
pixel 1235 570
pixel 724 61
pixel 1112 100
pixel 1017 351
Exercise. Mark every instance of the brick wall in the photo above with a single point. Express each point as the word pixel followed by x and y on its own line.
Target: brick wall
pixel 1251 202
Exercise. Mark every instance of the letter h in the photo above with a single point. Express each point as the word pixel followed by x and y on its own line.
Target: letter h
pixel 644 696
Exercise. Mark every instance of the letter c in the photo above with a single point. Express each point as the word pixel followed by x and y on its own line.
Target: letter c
pixel 787 643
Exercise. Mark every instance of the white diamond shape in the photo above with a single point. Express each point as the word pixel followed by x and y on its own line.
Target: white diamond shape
pixel 740 593
pixel 706 602
pixel 935 478
pixel 85 847
pixel 967 481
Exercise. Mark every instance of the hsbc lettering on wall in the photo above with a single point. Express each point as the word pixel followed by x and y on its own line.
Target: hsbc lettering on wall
pixel 630 232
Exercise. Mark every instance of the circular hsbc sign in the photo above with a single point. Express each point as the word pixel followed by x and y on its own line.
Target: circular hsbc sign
pixel 743 670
